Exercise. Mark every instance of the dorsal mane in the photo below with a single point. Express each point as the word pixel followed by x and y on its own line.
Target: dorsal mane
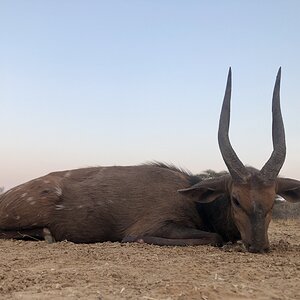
pixel 168 166
pixel 193 179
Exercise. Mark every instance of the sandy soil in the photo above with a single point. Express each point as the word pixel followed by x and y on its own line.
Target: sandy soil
pixel 36 270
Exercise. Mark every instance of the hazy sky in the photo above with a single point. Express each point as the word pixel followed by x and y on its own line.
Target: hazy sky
pixel 87 83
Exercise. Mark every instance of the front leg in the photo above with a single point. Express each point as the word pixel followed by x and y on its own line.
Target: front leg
pixel 175 235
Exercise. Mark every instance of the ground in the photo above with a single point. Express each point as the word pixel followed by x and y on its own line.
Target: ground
pixel 37 270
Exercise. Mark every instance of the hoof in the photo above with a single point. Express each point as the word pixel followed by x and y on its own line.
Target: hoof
pixel 48 236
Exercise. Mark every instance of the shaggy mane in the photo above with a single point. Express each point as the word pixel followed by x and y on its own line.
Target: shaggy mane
pixel 193 179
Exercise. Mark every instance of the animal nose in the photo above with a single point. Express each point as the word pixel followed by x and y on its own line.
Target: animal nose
pixel 255 249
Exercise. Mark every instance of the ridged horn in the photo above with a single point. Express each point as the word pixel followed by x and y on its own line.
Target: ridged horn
pixel 235 167
pixel 272 167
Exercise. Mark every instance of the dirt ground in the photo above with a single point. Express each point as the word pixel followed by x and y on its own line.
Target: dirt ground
pixel 37 270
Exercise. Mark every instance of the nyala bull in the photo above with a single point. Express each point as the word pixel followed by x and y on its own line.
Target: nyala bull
pixel 155 203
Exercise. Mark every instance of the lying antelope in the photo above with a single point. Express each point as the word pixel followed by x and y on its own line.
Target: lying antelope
pixel 155 203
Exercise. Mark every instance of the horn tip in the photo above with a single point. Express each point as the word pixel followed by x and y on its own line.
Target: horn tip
pixel 279 72
pixel 278 78
pixel 229 75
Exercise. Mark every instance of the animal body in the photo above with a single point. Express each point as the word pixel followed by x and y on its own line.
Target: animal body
pixel 155 203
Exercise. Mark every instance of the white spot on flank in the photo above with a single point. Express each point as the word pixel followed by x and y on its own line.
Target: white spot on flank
pixel 7 215
pixel 58 191
pixel 59 206
pixel 68 174
pixel 18 217
pixel 80 206
pixel 29 199
pixel 23 195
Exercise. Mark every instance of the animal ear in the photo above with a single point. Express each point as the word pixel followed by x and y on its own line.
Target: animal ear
pixel 206 190
pixel 289 189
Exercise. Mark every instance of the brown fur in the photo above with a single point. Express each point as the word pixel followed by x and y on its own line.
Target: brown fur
pixel 100 204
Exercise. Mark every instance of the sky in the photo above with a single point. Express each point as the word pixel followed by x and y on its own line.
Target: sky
pixel 100 83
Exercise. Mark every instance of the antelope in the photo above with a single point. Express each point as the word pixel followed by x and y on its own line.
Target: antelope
pixel 155 203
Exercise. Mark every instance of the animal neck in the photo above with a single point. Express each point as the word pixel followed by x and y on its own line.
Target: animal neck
pixel 217 217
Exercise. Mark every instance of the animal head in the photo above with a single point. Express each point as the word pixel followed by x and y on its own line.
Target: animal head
pixel 251 192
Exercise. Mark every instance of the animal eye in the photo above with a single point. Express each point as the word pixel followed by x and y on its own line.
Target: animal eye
pixel 235 201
